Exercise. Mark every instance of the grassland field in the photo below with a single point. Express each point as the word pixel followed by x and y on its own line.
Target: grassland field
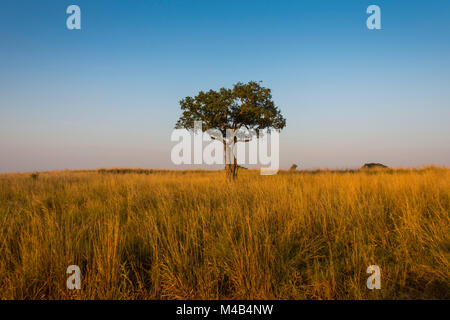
pixel 149 234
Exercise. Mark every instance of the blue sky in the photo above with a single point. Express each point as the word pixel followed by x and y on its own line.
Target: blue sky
pixel 107 95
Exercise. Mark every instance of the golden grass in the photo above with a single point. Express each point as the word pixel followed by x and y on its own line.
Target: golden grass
pixel 193 235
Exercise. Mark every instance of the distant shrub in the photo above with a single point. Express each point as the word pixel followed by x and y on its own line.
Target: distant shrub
pixel 34 175
pixel 293 167
pixel 126 171
pixel 374 166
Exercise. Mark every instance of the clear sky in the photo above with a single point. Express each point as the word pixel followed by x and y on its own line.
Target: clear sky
pixel 107 95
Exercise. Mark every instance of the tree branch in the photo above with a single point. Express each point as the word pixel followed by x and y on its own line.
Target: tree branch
pixel 218 139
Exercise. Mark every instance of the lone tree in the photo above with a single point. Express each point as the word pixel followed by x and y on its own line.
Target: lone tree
pixel 245 109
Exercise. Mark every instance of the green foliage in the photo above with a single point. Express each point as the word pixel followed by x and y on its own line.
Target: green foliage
pixel 246 106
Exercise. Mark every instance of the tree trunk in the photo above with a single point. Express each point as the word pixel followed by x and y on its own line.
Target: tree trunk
pixel 227 166
pixel 230 166
pixel 235 167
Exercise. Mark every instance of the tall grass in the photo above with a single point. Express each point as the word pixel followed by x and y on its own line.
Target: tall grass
pixel 194 235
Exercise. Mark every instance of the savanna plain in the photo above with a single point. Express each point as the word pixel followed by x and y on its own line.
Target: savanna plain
pixel 149 234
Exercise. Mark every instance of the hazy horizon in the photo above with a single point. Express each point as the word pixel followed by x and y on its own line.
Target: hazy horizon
pixel 107 95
